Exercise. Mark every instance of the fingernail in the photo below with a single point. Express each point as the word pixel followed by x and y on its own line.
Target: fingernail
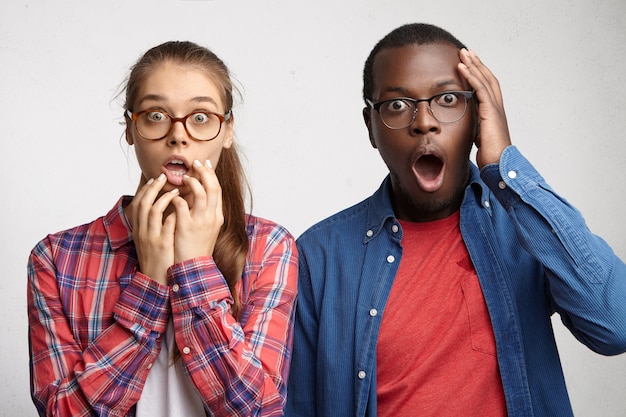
pixel 161 177
pixel 197 163
pixel 186 176
pixel 209 164
pixel 150 181
pixel 175 191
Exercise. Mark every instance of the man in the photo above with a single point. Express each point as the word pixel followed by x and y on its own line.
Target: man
pixel 433 296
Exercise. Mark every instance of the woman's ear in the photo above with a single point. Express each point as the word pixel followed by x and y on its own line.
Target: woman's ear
pixel 128 133
pixel 229 132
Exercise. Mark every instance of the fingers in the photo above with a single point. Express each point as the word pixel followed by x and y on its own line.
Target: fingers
pixel 493 133
pixel 480 78
pixel 205 187
pixel 199 214
pixel 153 235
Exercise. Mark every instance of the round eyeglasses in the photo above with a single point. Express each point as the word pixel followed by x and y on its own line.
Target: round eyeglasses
pixel 446 107
pixel 155 124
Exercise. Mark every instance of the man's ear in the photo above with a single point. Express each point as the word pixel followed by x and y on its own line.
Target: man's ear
pixel 367 118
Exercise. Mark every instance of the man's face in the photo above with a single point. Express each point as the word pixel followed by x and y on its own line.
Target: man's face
pixel 428 160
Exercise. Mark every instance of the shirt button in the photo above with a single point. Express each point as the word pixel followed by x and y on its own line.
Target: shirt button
pixel 486 203
pixel 390 259
pixel 395 228
pixel 361 374
pixel 175 287
pixel 373 312
pixel 149 366
pixel 186 350
pixel 369 233
pixel 502 185
pixel 512 174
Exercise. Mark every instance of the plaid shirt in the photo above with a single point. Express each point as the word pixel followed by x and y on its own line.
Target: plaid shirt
pixel 96 322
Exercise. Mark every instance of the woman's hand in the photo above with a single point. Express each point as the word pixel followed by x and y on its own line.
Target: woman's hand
pixel 493 131
pixel 199 216
pixel 152 233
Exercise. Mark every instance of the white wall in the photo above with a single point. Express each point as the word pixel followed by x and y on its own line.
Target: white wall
pixel 560 63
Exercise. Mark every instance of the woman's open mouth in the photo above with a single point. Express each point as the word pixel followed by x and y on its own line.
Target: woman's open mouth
pixel 174 170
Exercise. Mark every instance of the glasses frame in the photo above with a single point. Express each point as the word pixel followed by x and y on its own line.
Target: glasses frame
pixel 376 106
pixel 222 118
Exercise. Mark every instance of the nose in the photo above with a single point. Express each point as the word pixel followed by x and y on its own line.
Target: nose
pixel 178 134
pixel 424 120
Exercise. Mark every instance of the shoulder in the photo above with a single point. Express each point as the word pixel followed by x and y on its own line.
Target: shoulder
pixel 267 236
pixel 259 226
pixel 76 239
pixel 340 223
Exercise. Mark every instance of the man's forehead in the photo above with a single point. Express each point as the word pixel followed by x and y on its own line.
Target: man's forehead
pixel 431 66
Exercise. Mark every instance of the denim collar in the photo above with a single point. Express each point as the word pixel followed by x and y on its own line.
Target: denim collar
pixel 380 211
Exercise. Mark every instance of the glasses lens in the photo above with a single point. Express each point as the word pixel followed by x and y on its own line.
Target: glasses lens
pixel 153 124
pixel 398 113
pixel 448 107
pixel 203 126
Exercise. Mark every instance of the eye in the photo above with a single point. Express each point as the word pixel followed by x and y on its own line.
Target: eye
pixel 156 116
pixel 199 118
pixel 447 99
pixel 397 106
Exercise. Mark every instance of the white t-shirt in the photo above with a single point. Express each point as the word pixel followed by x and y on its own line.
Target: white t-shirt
pixel 168 391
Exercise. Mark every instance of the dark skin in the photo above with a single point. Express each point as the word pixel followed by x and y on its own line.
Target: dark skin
pixel 429 160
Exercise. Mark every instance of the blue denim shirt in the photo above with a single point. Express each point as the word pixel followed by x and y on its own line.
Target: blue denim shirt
pixel 533 255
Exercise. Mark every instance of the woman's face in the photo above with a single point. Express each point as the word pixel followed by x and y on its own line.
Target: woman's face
pixel 177 90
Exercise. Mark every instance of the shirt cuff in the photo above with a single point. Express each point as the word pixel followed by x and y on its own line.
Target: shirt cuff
pixel 197 282
pixel 510 178
pixel 144 303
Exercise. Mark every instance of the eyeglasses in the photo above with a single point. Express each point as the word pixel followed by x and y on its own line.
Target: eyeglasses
pixel 398 113
pixel 155 124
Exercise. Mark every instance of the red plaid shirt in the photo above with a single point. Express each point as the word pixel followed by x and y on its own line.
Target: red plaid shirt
pixel 96 322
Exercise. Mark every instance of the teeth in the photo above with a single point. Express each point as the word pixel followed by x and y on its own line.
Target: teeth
pixel 177 162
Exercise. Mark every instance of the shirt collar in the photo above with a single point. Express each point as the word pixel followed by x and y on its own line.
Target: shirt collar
pixel 380 209
pixel 116 224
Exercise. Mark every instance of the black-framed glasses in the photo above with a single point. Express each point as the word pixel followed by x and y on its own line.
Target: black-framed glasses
pixel 400 112
pixel 155 124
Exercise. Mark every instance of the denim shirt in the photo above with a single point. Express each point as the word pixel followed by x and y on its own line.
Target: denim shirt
pixel 533 255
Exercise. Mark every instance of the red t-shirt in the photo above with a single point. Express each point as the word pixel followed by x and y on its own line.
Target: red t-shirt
pixel 436 353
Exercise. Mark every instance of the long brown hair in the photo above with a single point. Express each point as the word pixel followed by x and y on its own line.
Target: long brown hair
pixel 232 242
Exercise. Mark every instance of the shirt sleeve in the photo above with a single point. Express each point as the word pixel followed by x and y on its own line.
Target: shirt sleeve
pixel 238 369
pixel 302 389
pixel 587 281
pixel 105 376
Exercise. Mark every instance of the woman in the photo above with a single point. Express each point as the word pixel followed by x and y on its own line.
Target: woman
pixel 176 302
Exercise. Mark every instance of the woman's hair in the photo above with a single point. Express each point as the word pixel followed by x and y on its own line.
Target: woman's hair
pixel 232 243
pixel 409 34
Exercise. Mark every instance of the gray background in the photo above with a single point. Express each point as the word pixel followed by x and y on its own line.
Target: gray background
pixel 64 162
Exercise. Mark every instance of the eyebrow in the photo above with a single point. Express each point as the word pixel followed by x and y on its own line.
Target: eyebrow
pixel 158 97
pixel 436 85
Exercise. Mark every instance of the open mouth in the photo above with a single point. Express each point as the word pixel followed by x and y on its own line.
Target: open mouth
pixel 428 167
pixel 429 170
pixel 174 170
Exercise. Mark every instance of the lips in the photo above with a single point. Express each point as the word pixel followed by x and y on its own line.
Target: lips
pixel 429 172
pixel 174 169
